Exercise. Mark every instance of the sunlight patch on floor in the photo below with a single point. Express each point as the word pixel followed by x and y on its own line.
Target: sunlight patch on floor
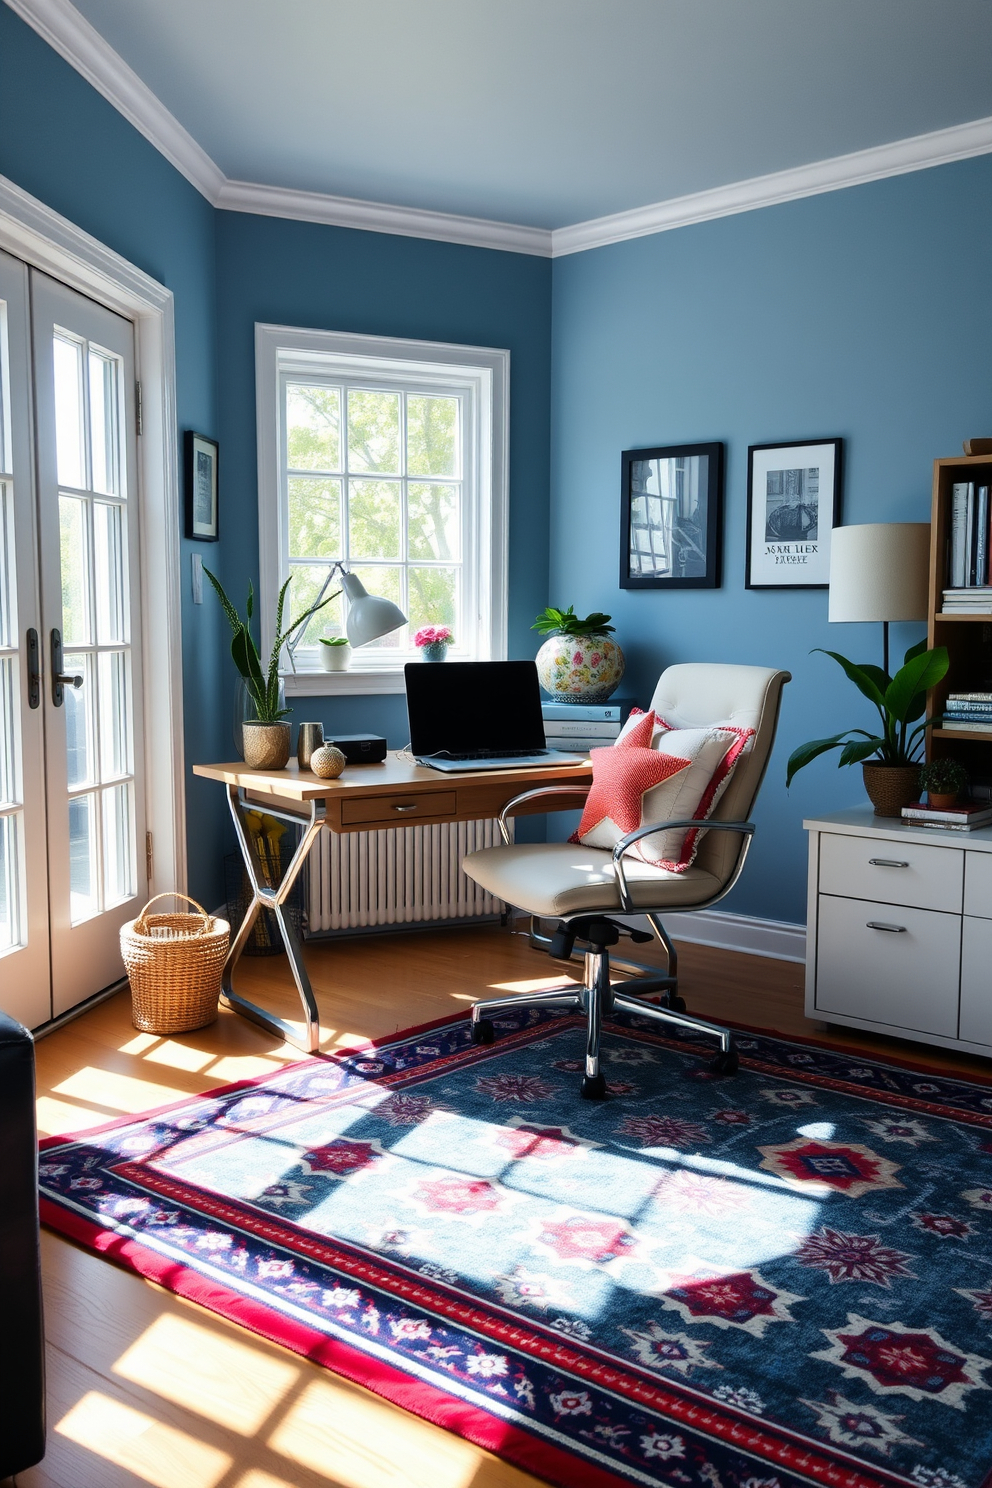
pixel 370 1443
pixel 120 1092
pixel 216 1375
pixel 154 1453
pixel 535 984
pixel 55 1117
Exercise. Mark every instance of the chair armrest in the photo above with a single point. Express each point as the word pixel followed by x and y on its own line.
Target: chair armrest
pixel 533 795
pixel 648 830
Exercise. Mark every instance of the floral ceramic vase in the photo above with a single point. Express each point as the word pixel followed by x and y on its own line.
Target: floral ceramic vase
pixel 580 668
pixel 433 651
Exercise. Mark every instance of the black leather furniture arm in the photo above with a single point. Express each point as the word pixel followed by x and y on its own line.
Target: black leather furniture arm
pixel 22 1343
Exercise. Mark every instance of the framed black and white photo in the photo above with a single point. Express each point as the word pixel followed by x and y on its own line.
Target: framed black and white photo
pixel 671 516
pixel 793 502
pixel 201 487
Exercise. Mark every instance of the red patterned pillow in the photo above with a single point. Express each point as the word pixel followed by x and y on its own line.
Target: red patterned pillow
pixel 684 780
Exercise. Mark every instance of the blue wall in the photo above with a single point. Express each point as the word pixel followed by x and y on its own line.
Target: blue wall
pixel 864 313
pixel 61 141
pixel 332 278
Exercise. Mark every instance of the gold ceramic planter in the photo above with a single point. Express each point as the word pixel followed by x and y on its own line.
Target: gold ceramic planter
pixel 266 745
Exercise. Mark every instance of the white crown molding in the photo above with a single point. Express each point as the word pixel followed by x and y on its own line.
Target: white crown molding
pixel 70 34
pixel 940 147
pixel 409 222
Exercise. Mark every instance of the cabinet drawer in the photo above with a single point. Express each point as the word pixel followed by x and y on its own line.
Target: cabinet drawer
pixel 978 885
pixel 891 872
pixel 976 981
pixel 907 977
pixel 399 808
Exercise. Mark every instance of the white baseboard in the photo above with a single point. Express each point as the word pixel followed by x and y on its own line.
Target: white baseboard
pixel 779 939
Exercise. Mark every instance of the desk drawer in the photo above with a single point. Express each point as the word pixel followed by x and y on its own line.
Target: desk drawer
pixel 398 809
pixel 892 872
pixel 905 974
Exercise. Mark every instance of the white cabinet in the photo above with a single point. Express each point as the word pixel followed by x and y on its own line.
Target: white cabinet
pixel 899 935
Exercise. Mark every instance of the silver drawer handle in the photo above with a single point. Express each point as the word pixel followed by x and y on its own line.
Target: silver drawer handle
pixel 411 807
pixel 880 925
pixel 887 863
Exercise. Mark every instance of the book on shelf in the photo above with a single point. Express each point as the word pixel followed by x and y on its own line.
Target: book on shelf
pixel 969 815
pixel 970 542
pixel 973 713
pixel 969 697
pixel 969 725
pixel 572 745
pixel 615 711
pixel 583 728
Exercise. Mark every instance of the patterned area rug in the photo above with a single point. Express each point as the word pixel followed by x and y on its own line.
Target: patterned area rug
pixel 777 1279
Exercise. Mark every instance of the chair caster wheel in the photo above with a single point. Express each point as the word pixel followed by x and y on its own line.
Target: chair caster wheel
pixel 483 1032
pixel 593 1087
pixel 673 1002
pixel 726 1062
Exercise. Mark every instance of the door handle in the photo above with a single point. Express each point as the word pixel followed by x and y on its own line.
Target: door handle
pixel 61 680
pixel 34 669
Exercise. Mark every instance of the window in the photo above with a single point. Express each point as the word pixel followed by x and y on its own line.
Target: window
pixel 389 457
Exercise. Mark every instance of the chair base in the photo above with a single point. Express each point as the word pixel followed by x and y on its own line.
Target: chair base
pixel 597 997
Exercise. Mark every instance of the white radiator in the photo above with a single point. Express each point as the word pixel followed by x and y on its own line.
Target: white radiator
pixel 397 876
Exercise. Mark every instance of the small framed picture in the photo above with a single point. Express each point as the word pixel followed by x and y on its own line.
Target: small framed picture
pixel 201 487
pixel 793 502
pixel 671 516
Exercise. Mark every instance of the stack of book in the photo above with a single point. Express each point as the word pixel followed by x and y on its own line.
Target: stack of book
pixel 964 818
pixel 970 544
pixel 579 727
pixel 967 601
pixel 969 711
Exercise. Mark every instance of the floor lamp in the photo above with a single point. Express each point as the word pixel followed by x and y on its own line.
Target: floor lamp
pixel 880 571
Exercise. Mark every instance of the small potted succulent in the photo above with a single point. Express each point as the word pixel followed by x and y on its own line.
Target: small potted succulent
pixel 433 641
pixel 335 653
pixel 578 663
pixel 943 780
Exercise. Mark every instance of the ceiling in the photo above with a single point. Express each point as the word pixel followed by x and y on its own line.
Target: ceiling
pixel 548 112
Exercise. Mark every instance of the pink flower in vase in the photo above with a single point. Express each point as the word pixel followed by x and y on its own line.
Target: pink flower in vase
pixel 433 635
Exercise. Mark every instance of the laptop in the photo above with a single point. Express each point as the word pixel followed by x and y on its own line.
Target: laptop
pixel 478 715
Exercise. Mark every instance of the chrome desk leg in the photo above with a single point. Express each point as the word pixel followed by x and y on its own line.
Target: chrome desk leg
pixel 265 897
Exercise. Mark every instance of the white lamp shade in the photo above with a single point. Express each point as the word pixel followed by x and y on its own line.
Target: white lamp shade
pixel 880 571
pixel 369 617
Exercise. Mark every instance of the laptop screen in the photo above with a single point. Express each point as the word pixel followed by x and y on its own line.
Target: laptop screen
pixel 463 706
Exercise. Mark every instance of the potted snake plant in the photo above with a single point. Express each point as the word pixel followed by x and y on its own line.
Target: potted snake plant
pixel 891 757
pixel 266 736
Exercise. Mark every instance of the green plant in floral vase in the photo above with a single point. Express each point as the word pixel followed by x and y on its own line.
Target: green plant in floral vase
pixel 890 757
pixel 579 662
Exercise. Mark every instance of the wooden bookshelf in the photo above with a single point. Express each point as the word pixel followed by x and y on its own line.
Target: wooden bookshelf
pixel 968 638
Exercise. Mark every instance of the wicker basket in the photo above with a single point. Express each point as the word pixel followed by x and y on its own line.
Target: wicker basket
pixel 174 964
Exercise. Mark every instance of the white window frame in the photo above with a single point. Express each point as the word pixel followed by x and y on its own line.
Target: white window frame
pixel 480 375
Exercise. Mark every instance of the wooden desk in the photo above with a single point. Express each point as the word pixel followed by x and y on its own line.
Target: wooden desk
pixel 363 798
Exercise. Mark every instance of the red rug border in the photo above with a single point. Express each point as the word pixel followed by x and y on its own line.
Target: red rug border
pixel 484 1429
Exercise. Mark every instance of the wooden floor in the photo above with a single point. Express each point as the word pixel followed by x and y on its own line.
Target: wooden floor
pixel 146 1389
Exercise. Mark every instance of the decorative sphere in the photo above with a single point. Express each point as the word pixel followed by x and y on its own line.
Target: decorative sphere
pixel 327 762
pixel 580 668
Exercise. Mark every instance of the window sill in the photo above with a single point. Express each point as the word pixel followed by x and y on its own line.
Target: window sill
pixel 341 684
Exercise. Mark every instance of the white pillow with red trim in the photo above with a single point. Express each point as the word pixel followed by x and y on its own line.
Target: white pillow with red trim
pixel 655 773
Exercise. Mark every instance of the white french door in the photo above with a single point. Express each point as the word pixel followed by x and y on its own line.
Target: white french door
pixel 73 809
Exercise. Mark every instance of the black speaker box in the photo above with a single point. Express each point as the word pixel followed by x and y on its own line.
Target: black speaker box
pixel 360 749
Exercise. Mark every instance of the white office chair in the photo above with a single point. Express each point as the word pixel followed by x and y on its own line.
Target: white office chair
pixel 583 888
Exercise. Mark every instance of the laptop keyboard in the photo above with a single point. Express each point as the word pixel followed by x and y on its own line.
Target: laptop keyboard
pixel 485 754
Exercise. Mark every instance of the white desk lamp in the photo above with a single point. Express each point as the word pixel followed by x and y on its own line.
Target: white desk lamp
pixel 369 616
pixel 880 571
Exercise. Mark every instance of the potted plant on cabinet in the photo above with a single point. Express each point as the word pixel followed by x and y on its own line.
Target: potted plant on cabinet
pixel 943 780
pixel 266 736
pixel 578 663
pixel 891 758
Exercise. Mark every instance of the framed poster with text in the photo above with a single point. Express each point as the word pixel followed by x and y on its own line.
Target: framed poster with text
pixel 793 502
